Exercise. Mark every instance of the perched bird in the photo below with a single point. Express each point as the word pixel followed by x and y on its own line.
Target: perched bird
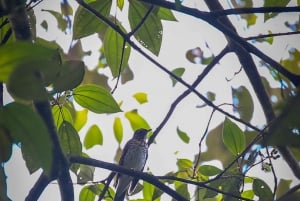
pixel 134 156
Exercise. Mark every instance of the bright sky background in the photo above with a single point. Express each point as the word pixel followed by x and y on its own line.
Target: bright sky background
pixel 178 37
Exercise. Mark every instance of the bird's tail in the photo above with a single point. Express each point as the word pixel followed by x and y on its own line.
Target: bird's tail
pixel 120 197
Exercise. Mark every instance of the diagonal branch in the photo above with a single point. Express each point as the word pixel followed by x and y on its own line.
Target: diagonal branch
pixel 160 66
pixel 141 175
pixel 209 18
pixel 235 11
pixel 205 72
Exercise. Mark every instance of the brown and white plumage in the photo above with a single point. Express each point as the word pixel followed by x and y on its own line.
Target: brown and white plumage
pixel 134 156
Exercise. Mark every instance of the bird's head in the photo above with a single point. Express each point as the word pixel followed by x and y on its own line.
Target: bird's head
pixel 140 134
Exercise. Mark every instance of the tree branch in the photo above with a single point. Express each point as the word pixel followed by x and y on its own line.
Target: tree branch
pixel 203 185
pixel 235 11
pixel 205 72
pixel 141 175
pixel 164 69
pixel 209 18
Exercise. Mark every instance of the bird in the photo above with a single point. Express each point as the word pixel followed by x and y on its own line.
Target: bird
pixel 134 156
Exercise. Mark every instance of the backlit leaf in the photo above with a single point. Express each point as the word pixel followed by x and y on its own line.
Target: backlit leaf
pixel 113 50
pixel 150 33
pixel 148 191
pixel 85 23
pixel 80 119
pixel 136 121
pixel 166 14
pixel 61 114
pixel 292 64
pixel 118 129
pixel 93 137
pixel 86 194
pixel 69 139
pixel 141 97
pixel 233 137
pixel 95 99
pixel 120 4
pixel 18 53
pixel 184 164
pixel 182 189
pixel 272 3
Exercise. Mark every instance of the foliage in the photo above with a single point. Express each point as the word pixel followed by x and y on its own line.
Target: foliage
pixel 41 73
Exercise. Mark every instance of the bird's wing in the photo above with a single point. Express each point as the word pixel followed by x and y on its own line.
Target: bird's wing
pixel 121 161
pixel 135 180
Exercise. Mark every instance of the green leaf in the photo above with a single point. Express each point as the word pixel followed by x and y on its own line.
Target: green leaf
pixel 62 23
pixel 136 121
pixel 80 119
pixel 86 194
pixel 166 14
pixel 118 129
pixel 233 137
pixel 211 96
pixel 95 99
pixel 248 194
pixel 182 189
pixel 31 131
pixel 86 174
pixel 86 23
pixel 178 72
pixel 262 190
pixel 283 187
pixel 113 50
pixel 183 135
pixel 266 39
pixel 18 53
pixel 141 97
pixel 243 103
pixel 63 81
pixel 272 3
pixel 150 33
pixel 66 8
pixel 126 75
pixel 148 191
pixel 250 18
pixel 5 146
pixel 69 139
pixel 209 170
pixel 93 137
pixel 184 164
pixel 120 4
pixel 292 63
pixel 61 114
pixel 28 80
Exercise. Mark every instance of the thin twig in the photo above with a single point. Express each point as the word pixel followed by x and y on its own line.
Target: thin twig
pixel 272 35
pixel 235 11
pixel 203 185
